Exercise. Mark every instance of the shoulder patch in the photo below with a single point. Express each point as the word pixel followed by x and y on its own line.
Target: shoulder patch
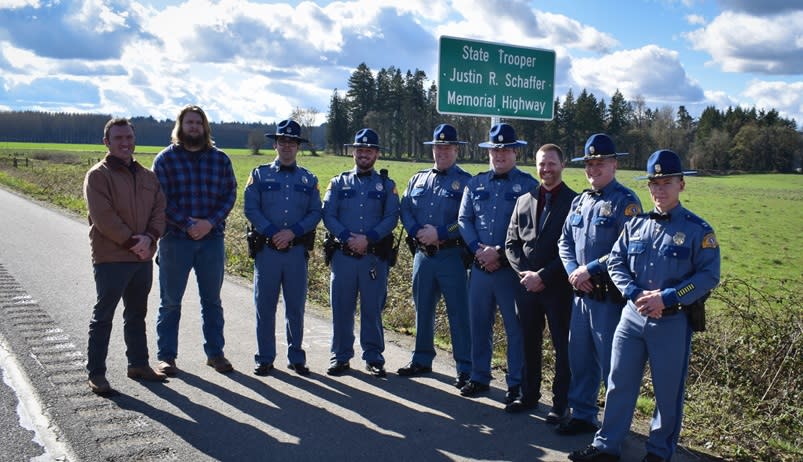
pixel 632 209
pixel 710 241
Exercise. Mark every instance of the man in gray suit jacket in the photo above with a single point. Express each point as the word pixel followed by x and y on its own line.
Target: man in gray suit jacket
pixel 532 249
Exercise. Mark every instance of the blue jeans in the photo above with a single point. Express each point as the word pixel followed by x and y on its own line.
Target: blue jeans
pixel 177 256
pixel 130 281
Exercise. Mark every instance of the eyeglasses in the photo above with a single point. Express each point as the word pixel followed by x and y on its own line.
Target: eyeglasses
pixel 286 142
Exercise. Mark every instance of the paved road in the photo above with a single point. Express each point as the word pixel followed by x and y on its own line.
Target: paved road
pixel 46 296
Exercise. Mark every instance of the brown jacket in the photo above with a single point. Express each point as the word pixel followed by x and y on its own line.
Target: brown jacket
pixel 122 201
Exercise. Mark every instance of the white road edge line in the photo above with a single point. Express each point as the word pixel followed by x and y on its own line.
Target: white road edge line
pixel 30 412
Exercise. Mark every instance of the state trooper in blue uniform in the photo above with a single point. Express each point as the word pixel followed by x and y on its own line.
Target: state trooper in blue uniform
pixel 595 220
pixel 429 209
pixel 665 263
pixel 485 212
pixel 283 204
pixel 361 209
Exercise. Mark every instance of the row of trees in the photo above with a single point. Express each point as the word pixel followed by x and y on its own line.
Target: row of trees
pixel 51 127
pixel 403 112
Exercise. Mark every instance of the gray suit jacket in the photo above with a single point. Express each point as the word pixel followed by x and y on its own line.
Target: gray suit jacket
pixel 526 249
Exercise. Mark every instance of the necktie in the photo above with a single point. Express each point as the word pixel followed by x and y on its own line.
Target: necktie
pixel 593 192
pixel 545 211
pixel 499 176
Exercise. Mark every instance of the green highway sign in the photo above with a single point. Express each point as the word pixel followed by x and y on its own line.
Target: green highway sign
pixel 494 79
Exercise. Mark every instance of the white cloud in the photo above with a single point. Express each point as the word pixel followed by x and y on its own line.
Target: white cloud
pixel 652 72
pixel 741 43
pixel 785 97
pixel 695 19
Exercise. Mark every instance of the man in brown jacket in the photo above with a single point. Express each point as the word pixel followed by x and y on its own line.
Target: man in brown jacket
pixel 126 217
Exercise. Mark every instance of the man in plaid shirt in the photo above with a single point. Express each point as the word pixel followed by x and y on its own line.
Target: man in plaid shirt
pixel 199 184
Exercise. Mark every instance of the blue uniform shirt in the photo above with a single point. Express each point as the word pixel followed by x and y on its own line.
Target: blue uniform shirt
pixel 433 197
pixel 594 222
pixel 487 205
pixel 678 255
pixel 361 204
pixel 278 198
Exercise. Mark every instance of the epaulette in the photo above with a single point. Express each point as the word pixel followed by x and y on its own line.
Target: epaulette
pixel 460 171
pixel 697 220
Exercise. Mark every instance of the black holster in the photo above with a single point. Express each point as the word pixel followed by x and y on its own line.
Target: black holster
pixel 256 241
pixel 696 313
pixel 330 244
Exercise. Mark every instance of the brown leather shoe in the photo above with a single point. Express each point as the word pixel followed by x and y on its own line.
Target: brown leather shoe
pixel 146 373
pixel 220 363
pixel 167 367
pixel 99 385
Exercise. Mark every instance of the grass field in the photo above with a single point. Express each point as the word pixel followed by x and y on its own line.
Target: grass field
pixel 757 218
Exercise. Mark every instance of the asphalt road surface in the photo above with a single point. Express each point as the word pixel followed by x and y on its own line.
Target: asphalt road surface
pixel 46 295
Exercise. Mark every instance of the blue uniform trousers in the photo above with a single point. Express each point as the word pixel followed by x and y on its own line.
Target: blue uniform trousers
pixel 177 257
pixel 352 276
pixel 590 335
pixel 486 292
pixel 666 344
pixel 276 270
pixel 442 273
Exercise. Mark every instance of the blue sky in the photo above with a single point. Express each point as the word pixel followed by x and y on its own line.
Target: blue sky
pixel 255 61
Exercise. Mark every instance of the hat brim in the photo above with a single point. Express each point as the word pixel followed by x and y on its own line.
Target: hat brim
pixel 515 144
pixel 670 175
pixel 363 145
pixel 445 142
pixel 292 137
pixel 600 156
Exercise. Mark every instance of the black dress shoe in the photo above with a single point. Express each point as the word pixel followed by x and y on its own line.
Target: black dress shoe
pixel 473 388
pixel 513 393
pixel 461 380
pixel 263 369
pixel 577 427
pixel 520 405
pixel 338 368
pixel 413 369
pixel 300 368
pixel 376 369
pixel 592 454
pixel 557 416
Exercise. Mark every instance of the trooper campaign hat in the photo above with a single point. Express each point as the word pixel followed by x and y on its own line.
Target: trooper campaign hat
pixel 444 134
pixel 365 138
pixel 599 146
pixel 664 163
pixel 502 136
pixel 288 129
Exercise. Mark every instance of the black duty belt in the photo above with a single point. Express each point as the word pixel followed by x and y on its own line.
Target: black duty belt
pixel 672 310
pixel 344 247
pixel 296 241
pixel 433 249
